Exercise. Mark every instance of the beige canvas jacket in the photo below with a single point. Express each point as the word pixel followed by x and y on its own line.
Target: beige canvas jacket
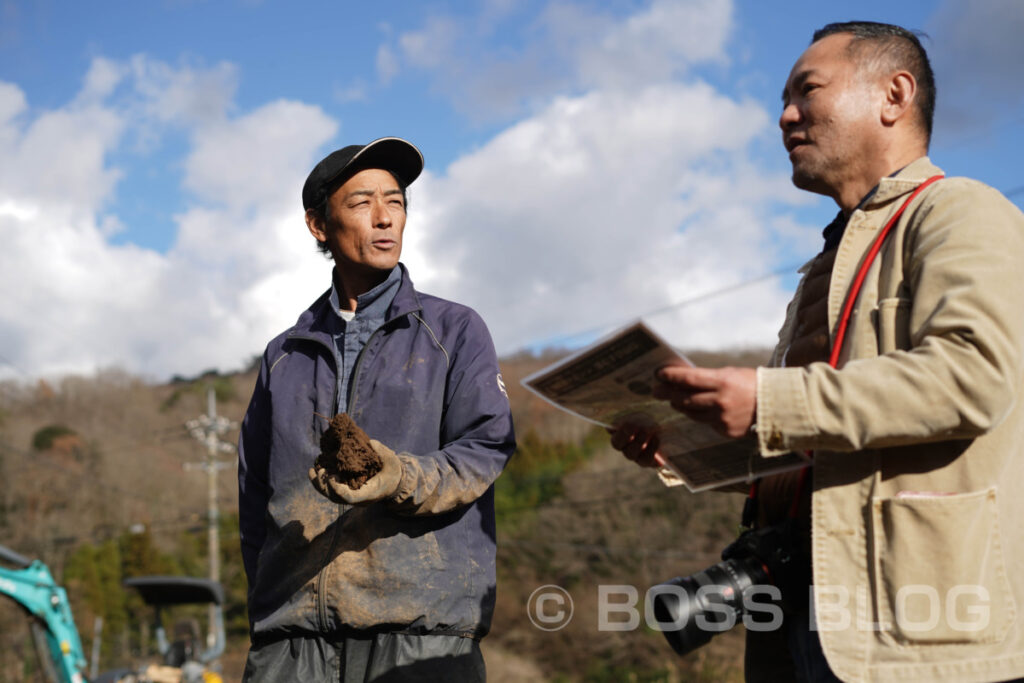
pixel 918 478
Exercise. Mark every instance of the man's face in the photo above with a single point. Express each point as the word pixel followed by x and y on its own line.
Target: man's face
pixel 829 117
pixel 366 218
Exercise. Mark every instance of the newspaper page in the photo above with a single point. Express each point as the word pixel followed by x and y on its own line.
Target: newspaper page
pixel 613 379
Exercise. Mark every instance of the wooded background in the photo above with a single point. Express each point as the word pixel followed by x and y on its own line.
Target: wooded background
pixel 95 485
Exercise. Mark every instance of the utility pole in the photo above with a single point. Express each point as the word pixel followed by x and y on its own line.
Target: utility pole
pixel 207 429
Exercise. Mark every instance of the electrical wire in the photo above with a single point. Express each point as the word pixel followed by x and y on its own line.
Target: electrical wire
pixel 728 289
pixel 555 341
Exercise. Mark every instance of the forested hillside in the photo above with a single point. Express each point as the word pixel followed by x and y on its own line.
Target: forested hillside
pixel 95 484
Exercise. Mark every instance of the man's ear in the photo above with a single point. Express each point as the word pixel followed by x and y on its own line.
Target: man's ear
pixel 899 97
pixel 316 225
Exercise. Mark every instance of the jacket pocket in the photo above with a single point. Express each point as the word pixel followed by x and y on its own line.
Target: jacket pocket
pixel 892 324
pixel 383 569
pixel 939 573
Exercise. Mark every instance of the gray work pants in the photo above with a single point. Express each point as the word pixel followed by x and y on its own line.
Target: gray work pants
pixel 377 658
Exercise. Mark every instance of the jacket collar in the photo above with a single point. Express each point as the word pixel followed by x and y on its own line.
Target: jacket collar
pixel 406 299
pixel 904 181
pixel 313 322
pixel 372 304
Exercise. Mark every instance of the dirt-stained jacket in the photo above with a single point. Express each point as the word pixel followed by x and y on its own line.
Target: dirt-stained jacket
pixel 427 384
pixel 918 477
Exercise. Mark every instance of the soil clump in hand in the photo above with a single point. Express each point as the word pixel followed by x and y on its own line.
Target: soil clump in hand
pixel 346 453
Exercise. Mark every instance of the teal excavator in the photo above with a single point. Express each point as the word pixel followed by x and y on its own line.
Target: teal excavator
pixel 31 586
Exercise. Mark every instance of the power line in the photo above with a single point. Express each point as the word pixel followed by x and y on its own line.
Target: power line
pixel 791 268
pixel 677 304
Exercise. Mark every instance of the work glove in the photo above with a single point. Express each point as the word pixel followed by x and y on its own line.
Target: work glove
pixel 378 487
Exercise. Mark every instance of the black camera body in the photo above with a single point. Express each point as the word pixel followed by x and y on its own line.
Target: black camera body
pixel 768 562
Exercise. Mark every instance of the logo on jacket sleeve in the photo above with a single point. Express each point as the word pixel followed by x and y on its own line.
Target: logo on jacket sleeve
pixel 501 385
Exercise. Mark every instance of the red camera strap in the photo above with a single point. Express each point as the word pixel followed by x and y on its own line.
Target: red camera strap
pixel 862 272
pixel 844 322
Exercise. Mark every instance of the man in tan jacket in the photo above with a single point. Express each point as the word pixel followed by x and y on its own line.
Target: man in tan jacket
pixel 912 407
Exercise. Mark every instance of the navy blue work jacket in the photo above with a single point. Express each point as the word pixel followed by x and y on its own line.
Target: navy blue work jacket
pixel 427 384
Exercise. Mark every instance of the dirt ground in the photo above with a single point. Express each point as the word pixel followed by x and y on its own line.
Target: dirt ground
pixel 506 667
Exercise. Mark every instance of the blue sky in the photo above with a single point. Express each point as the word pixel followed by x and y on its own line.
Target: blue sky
pixel 587 162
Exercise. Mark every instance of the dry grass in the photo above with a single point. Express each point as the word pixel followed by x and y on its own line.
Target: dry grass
pixel 611 523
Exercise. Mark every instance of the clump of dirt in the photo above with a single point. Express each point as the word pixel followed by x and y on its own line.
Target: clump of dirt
pixel 346 453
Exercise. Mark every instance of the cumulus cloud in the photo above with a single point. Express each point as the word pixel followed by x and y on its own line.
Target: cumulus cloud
pixel 79 302
pixel 83 302
pixel 628 186
pixel 432 46
pixel 655 44
pixel 604 206
pixel 241 162
pixel 183 95
pixel 57 157
pixel 103 77
pixel 613 196
pixel 568 47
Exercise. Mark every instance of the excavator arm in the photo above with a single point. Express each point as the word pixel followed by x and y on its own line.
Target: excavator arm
pixel 32 587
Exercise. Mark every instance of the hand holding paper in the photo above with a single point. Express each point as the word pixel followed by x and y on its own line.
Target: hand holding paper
pixel 724 398
pixel 661 411
pixel 637 442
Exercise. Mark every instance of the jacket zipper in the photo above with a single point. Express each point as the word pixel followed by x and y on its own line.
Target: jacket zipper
pixel 352 393
pixel 321 578
pixel 321 598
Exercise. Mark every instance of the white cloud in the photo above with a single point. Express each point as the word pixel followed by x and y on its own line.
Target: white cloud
pixel 570 47
pixel 57 157
pixel 104 75
pixel 433 46
pixel 76 302
pixel 354 92
pixel 186 95
pixel 602 207
pixel 612 198
pixel 241 162
pixel 387 64
pixel 653 45
pixel 82 302
pixel 12 103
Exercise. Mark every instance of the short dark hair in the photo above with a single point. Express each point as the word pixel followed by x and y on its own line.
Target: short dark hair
pixel 324 211
pixel 895 47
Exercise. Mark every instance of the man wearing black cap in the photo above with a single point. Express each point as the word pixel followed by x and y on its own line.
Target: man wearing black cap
pixel 393 580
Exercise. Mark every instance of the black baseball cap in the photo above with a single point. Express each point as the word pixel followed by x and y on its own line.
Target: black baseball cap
pixel 391 154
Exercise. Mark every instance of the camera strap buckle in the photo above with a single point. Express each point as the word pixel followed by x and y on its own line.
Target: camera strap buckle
pixel 749 515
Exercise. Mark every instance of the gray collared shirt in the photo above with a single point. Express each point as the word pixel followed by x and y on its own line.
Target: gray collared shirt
pixel 350 336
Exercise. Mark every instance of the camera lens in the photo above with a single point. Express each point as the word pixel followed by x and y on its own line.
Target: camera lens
pixel 693 609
